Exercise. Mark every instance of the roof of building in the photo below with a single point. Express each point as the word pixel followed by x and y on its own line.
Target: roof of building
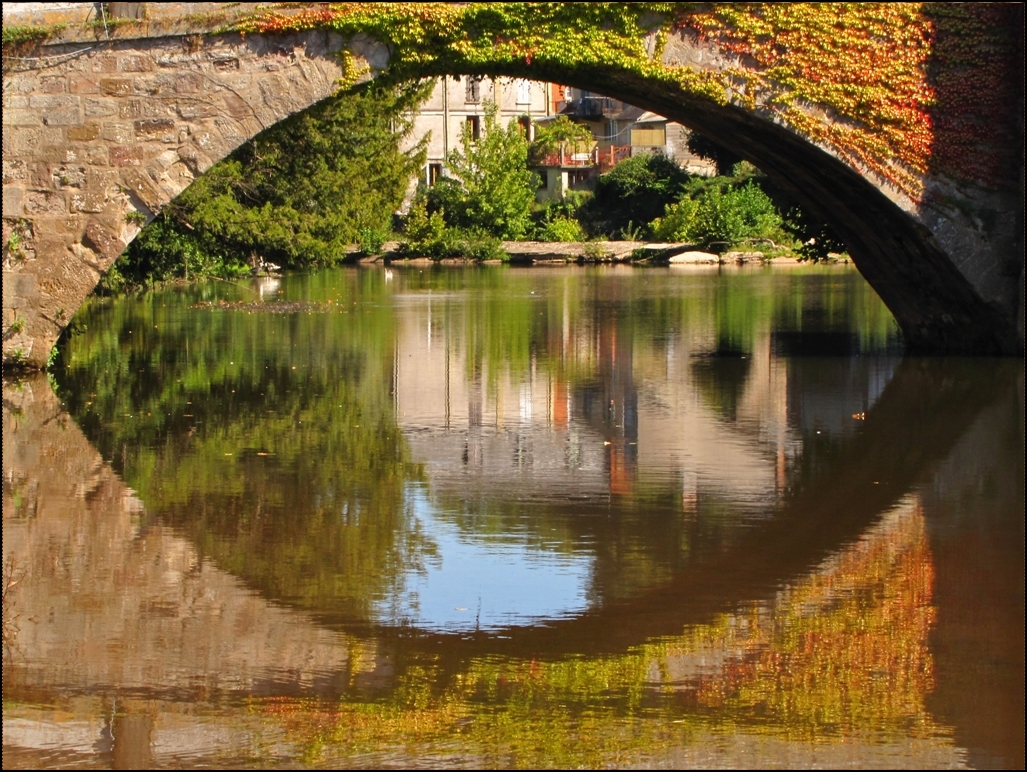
pixel 639 115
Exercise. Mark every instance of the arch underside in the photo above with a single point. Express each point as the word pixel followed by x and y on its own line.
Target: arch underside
pixel 938 308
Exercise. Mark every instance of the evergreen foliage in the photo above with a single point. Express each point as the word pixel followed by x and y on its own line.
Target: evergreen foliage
pixel 299 194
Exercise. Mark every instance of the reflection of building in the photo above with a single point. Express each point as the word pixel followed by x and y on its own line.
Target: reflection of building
pixel 591 406
pixel 628 414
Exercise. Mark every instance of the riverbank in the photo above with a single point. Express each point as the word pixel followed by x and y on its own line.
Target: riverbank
pixel 543 252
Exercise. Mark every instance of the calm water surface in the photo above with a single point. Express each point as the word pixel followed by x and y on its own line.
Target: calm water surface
pixel 513 517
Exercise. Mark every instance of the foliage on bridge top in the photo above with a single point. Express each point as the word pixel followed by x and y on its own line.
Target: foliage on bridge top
pixel 901 90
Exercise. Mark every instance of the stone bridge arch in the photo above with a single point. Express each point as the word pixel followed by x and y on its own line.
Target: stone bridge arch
pixel 918 165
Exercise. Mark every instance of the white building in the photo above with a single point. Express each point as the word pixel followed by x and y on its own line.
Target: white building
pixel 457 104
pixel 620 130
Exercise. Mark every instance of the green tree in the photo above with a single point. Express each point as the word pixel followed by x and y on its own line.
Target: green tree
pixel 298 194
pixel 677 220
pixel 635 192
pixel 561 132
pixel 723 214
pixel 740 213
pixel 491 188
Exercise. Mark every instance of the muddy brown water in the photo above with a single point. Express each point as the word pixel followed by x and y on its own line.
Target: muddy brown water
pixel 513 517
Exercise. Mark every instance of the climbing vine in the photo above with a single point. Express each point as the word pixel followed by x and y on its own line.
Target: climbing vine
pixel 907 88
pixel 530 39
pixel 897 89
pixel 863 64
pixel 978 79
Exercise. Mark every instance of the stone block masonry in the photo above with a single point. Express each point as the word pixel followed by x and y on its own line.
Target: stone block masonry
pixel 122 128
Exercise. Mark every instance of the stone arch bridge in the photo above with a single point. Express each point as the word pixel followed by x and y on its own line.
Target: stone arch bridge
pixel 899 124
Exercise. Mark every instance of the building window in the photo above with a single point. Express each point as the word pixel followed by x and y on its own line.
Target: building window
pixel 473 93
pixel 473 127
pixel 523 92
pixel 649 137
pixel 578 177
pixel 524 122
pixel 434 172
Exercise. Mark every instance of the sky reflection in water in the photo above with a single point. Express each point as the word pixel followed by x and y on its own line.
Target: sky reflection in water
pixel 474 584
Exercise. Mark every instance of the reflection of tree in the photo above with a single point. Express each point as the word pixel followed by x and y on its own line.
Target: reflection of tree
pixel 225 412
pixel 841 651
pixel 694 631
pixel 720 377
pixel 844 650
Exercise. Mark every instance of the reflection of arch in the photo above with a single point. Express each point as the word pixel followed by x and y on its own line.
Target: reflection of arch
pixel 131 124
pixel 910 408
pixel 901 438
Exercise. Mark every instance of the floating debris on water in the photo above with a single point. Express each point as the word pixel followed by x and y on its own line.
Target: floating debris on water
pixel 273 307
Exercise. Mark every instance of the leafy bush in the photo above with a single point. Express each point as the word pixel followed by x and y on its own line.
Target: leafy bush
pixel 489 187
pixel 446 196
pixel 813 238
pixel 676 223
pixel 722 214
pixel 637 190
pixel 561 229
pixel 370 240
pixel 739 213
pixel 421 227
pixel 482 246
pixel 427 235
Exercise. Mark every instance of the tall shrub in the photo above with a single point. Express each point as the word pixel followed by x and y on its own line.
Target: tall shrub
pixel 634 192
pixel 490 187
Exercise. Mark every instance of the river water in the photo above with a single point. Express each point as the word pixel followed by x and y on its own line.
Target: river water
pixel 513 517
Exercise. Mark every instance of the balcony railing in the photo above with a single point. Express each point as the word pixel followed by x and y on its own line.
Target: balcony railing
pixel 611 156
pixel 565 156
pixel 587 107
pixel 605 158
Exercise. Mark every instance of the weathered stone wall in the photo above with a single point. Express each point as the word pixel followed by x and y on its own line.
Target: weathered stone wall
pixel 122 129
